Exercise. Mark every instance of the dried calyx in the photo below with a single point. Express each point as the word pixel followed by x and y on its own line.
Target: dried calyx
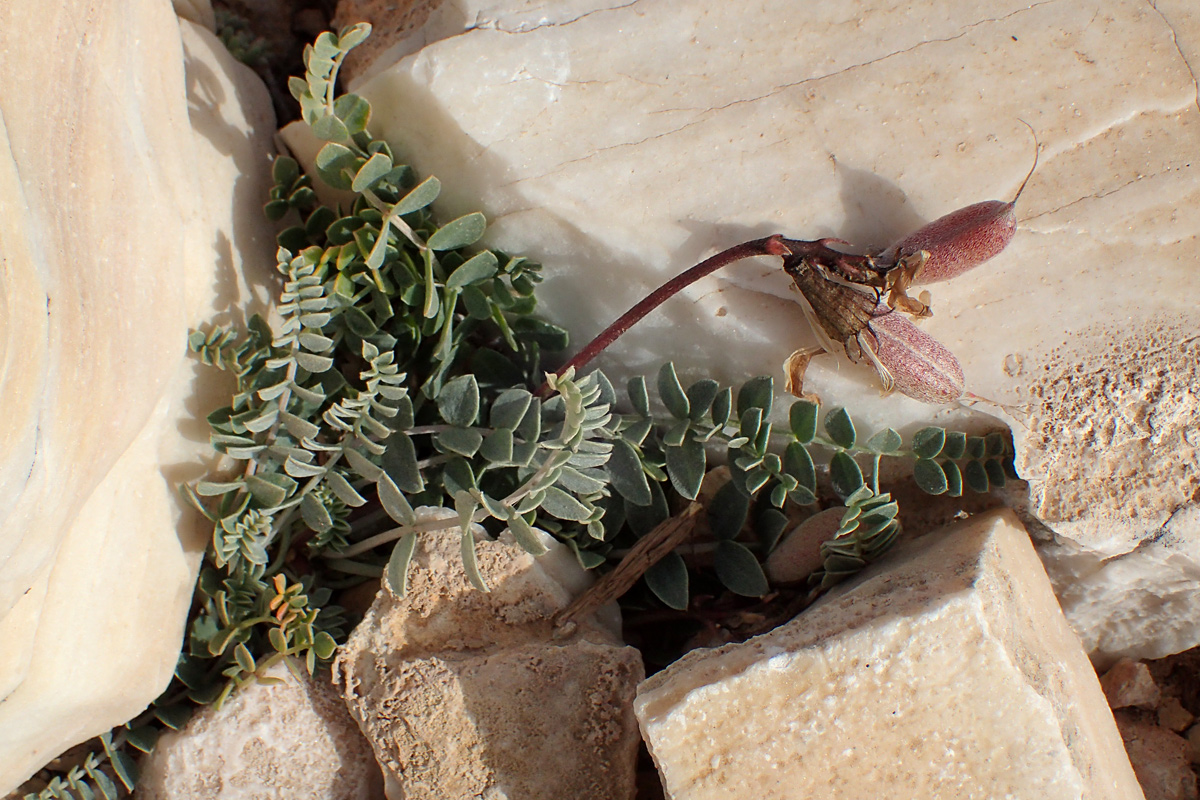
pixel 855 318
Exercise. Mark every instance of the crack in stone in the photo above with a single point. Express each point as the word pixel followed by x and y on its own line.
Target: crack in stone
pixel 1094 195
pixel 1178 49
pixel 494 25
pixel 783 87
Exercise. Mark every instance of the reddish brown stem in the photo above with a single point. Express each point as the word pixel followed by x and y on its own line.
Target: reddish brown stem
pixel 770 246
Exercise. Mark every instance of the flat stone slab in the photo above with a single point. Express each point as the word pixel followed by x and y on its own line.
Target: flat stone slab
pixel 946 670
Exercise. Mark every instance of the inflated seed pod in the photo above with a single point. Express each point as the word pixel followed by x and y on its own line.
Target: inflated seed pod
pixel 959 241
pixel 909 360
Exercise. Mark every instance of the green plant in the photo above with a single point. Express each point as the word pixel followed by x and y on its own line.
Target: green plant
pixel 400 375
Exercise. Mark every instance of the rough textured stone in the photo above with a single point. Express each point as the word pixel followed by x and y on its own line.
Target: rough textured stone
pixel 1173 716
pixel 947 670
pixel 1159 758
pixel 861 120
pixel 290 740
pixel 133 163
pixel 1129 683
pixel 465 694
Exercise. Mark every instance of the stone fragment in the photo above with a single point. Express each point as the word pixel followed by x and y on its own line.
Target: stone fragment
pixel 464 693
pixel 134 159
pixel 1193 738
pixel 1173 716
pixel 1159 758
pixel 837 126
pixel 799 553
pixel 945 670
pixel 1129 683
pixel 292 740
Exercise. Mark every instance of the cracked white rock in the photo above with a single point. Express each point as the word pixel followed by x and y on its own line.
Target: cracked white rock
pixel 623 142
pixel 133 164
pixel 946 670
pixel 466 694
pixel 292 739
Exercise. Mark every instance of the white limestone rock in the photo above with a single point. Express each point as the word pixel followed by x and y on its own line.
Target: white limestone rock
pixel 621 143
pixel 946 670
pixel 293 739
pixel 133 163
pixel 466 694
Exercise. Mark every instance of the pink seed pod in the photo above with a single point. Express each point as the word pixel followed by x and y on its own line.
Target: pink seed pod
pixel 909 360
pixel 961 240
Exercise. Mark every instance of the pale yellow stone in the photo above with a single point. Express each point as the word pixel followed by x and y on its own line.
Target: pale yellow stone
pixel 621 143
pixel 133 163
pixel 947 671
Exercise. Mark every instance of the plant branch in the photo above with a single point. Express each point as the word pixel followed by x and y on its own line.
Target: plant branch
pixel 770 246
pixel 648 551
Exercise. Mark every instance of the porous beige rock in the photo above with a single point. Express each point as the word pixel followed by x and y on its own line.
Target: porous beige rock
pixel 292 740
pixel 623 142
pixel 467 694
pixel 133 163
pixel 946 670
pixel 1129 683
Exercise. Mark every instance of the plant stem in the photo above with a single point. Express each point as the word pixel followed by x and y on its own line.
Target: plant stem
pixel 770 246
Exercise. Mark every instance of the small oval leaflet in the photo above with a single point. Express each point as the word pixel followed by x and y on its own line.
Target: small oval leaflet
pixel 758 392
pixel 802 418
pixel 421 195
pixel 371 172
pixel 668 579
pixel 476 269
pixel 316 516
pixel 845 474
pixel 670 391
pixel 458 401
pixel 954 480
pixel 975 477
pixel 739 570
pixel 397 566
pixel 956 445
pixel 685 466
pixel 394 502
pixel 459 233
pixel 840 428
pixel 727 512
pixel 525 535
pixel 700 397
pixel 625 472
pixel 354 111
pixel 930 477
pixel 929 442
pixel 886 441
